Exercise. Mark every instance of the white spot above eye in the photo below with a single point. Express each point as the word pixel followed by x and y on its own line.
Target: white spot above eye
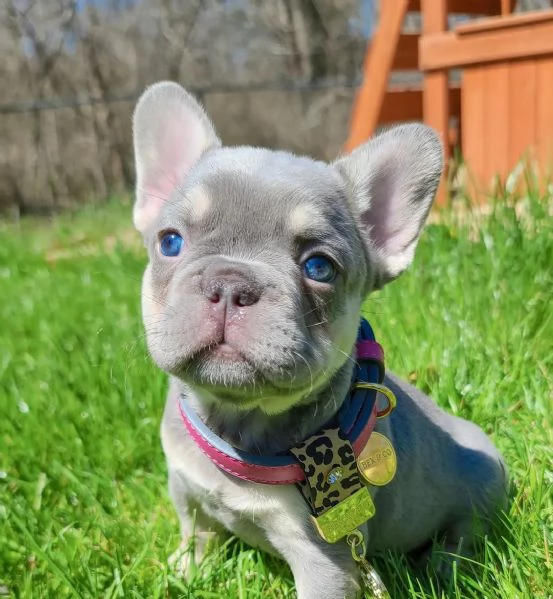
pixel 200 203
pixel 304 217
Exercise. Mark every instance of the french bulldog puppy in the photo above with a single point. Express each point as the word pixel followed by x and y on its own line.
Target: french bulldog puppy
pixel 259 261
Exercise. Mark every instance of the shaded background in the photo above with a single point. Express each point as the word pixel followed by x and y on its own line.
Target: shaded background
pixel 278 73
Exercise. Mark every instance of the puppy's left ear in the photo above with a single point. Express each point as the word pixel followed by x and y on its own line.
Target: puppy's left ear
pixel 171 132
pixel 391 181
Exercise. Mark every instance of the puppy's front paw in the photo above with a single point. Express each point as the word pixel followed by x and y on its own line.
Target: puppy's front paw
pixel 180 561
pixel 189 554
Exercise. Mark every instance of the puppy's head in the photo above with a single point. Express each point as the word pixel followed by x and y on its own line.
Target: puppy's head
pixel 259 260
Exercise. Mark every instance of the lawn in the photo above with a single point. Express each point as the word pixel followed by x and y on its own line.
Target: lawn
pixel 84 510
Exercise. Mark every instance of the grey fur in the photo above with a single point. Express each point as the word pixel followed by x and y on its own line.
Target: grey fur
pixel 265 355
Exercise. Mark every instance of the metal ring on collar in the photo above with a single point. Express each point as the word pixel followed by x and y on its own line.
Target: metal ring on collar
pixel 388 394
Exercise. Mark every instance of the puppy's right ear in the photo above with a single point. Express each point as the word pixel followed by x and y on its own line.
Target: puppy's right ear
pixel 171 131
pixel 392 180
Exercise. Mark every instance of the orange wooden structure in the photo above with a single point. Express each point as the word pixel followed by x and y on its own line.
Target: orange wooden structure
pixel 506 92
pixel 503 59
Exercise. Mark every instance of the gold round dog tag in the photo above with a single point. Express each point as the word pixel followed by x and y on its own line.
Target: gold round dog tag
pixel 377 463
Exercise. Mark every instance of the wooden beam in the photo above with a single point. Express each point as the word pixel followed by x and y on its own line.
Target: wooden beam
pixel 506 7
pixel 469 7
pixel 521 118
pixel 406 104
pixel 376 71
pixel 449 50
pixel 498 23
pixel 473 129
pixel 436 93
pixel 544 118
pixel 494 135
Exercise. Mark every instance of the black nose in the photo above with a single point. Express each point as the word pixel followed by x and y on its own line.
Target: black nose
pixel 234 285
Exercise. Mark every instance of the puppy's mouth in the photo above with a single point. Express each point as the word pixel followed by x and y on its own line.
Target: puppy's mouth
pixel 228 376
pixel 224 352
pixel 220 365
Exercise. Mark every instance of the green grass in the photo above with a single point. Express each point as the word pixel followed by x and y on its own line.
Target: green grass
pixel 84 510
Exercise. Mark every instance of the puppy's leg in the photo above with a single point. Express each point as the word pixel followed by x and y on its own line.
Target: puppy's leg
pixel 322 575
pixel 459 543
pixel 490 494
pixel 197 529
pixel 456 545
pixel 442 557
pixel 320 572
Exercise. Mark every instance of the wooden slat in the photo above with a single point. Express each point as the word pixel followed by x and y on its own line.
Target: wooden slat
pixel 376 71
pixel 498 23
pixel 506 7
pixel 407 53
pixel 449 50
pixel 472 102
pixel 522 109
pixel 544 117
pixel 469 7
pixel 406 104
pixel 435 94
pixel 495 138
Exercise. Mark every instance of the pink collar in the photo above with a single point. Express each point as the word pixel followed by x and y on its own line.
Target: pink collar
pixel 356 417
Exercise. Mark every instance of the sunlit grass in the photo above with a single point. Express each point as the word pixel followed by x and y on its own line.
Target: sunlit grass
pixel 84 510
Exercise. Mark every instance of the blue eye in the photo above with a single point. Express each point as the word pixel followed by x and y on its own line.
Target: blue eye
pixel 171 244
pixel 320 269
